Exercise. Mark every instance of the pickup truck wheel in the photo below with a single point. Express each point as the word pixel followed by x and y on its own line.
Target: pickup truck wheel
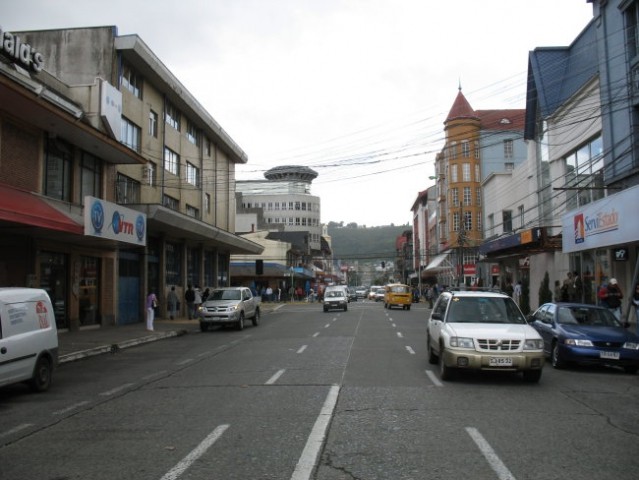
pixel 42 375
pixel 256 317
pixel 240 322
pixel 445 372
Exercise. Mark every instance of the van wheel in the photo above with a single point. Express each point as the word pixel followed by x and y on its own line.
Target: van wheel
pixel 42 375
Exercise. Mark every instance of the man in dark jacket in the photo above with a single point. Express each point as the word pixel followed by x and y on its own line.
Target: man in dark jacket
pixel 613 298
pixel 189 297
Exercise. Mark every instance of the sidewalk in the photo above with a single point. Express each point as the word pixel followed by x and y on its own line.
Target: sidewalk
pixel 76 345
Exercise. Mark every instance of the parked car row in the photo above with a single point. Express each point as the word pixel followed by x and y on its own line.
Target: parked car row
pixel 486 330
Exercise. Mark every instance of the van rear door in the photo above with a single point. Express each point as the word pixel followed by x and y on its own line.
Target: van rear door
pixel 18 352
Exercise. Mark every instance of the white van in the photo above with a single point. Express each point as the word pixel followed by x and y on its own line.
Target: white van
pixel 28 338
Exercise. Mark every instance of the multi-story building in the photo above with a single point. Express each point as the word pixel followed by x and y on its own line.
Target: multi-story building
pixel 125 149
pixel 478 143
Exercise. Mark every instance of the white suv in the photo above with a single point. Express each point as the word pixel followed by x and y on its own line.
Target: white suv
pixel 482 330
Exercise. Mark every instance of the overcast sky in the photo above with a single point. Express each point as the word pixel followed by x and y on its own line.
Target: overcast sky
pixel 357 90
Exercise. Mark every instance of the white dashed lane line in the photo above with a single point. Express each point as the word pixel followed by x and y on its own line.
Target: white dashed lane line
pixel 274 378
pixel 302 348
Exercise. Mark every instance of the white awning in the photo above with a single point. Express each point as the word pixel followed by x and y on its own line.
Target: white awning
pixel 439 263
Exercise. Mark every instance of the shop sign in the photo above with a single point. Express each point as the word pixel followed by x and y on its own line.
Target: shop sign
pixel 112 221
pixel 620 254
pixel 606 222
pixel 470 269
pixel 494 269
pixel 12 47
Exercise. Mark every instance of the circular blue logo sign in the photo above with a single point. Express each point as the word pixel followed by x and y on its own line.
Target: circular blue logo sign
pixel 97 216
pixel 139 227
pixel 115 222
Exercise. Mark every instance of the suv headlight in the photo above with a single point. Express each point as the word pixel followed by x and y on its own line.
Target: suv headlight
pixel 534 344
pixel 631 345
pixel 462 342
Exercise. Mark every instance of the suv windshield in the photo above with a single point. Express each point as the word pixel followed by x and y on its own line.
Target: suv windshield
pixel 484 310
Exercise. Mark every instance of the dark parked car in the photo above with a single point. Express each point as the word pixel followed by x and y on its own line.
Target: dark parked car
pixel 585 334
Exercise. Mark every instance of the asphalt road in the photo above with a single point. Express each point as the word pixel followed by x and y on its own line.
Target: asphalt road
pixel 313 395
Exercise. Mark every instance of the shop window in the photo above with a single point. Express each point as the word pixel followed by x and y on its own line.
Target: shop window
pixel 89 290
pixel 53 279
pixel 58 156
pixel 90 176
pixel 173 253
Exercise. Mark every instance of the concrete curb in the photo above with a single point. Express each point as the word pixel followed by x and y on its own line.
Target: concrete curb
pixel 113 348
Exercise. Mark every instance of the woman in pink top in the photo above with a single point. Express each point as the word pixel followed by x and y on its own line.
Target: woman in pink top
pixel 151 303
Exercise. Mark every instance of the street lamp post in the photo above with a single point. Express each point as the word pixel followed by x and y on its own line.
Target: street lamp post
pixel 461 238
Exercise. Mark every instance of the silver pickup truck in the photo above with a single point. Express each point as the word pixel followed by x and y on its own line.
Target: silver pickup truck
pixel 229 306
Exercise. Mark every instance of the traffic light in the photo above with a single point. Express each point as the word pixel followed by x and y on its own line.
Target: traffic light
pixel 259 267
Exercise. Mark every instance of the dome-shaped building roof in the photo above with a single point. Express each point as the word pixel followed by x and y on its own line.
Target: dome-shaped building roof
pixel 291 172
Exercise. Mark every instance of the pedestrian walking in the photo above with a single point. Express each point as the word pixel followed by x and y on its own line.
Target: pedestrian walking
pixel 189 297
pixel 172 300
pixel 151 305
pixel 197 301
pixel 517 292
pixel 613 297
pixel 557 291
pixel 430 295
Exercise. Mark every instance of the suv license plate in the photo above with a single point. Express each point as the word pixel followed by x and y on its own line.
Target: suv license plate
pixel 609 355
pixel 500 362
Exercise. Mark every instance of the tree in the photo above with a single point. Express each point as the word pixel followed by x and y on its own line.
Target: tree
pixel 545 293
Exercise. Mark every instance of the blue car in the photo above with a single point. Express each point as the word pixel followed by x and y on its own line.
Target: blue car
pixel 585 334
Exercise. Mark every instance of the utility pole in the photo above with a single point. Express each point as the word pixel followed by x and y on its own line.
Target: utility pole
pixel 461 238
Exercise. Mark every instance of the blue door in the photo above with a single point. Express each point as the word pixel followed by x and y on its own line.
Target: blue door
pixel 129 303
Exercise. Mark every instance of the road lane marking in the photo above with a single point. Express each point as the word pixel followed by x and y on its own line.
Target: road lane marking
pixel 70 407
pixel 410 350
pixel 116 389
pixel 302 348
pixel 316 334
pixel 274 378
pixel 399 334
pixel 493 460
pixel 308 459
pixel 327 325
pixel 434 379
pixel 184 362
pixel 16 429
pixel 196 453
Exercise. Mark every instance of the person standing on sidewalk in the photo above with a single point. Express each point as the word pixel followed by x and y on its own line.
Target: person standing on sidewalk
pixel 613 298
pixel 172 300
pixel 189 297
pixel 151 305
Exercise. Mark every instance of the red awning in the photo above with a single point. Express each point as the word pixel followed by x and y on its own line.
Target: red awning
pixel 25 208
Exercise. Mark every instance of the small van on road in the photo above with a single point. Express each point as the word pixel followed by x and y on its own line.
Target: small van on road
pixel 28 338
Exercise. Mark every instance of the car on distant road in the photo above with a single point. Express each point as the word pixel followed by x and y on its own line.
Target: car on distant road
pixel 335 298
pixel 482 330
pixel 585 334
pixel 372 291
pixel 361 292
pixel 378 296
pixel 352 294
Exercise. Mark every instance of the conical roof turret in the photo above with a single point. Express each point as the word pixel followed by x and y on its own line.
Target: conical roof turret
pixel 461 109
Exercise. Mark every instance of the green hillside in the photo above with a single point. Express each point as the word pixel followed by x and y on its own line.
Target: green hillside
pixel 364 243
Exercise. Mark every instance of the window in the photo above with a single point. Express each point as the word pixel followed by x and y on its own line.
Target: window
pixel 520 214
pixel 149 174
pixel 477 174
pixel 507 220
pixel 468 221
pixel 465 149
pixel 207 147
pixel 131 81
pixel 172 116
pixel 57 170
pixel 191 211
pixel 477 150
pixel 131 134
pixel 297 206
pixel 584 168
pixel 491 225
pixel 127 190
pixel 632 21
pixel 479 222
pixel 478 190
pixel 454 197
pixel 153 124
pixel 170 202
pixel 171 161
pixel 90 176
pixel 508 149
pixel 453 173
pixel 192 174
pixel 456 218
pixel 207 202
pixel 277 205
pixel 467 197
pixel 466 172
pixel 453 151
pixel 509 167
pixel 173 260
pixel 191 133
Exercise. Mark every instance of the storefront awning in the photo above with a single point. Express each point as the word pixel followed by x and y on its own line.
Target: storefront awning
pixel 439 263
pixel 25 208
